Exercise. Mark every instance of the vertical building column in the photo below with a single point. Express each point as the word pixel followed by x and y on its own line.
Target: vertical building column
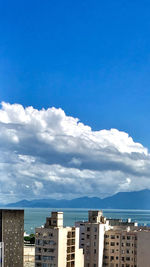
pixel 101 244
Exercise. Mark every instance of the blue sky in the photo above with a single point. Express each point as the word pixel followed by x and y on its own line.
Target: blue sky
pixel 89 58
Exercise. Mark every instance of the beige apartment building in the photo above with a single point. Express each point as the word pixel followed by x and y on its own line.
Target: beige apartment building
pixel 98 242
pixel 113 243
pixel 127 248
pixel 92 235
pixel 57 246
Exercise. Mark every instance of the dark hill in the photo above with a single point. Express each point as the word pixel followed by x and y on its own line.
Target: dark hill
pixel 122 200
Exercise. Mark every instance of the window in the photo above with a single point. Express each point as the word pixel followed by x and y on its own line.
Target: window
pixel 51 234
pixel 88 229
pixel 49 250
pixel 38 250
pixel 38 258
pixel 94 251
pixel 45 258
pixel 48 242
pixel 39 242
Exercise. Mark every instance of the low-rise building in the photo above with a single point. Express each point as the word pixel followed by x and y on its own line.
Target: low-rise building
pixel 29 256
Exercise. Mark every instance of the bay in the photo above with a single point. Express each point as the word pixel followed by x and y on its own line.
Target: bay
pixel 36 217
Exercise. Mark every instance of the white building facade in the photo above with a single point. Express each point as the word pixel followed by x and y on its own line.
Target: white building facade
pixel 57 246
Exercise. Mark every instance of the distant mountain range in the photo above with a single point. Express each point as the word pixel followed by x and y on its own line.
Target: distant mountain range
pixel 122 200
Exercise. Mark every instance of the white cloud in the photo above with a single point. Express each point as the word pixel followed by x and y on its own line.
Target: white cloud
pixel 45 153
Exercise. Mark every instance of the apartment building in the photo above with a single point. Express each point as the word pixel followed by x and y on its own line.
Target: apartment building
pixel 11 237
pixel 127 248
pixel 113 243
pixel 92 238
pixel 57 246
pixel 120 248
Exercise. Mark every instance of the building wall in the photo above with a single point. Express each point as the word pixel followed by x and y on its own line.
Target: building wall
pixel 81 226
pixel 29 256
pixel 46 246
pixel 13 237
pixel 57 246
pixel 143 249
pixel 29 264
pixel 91 247
pixel 62 247
pixel 101 232
pixel 79 257
pixel 1 254
pixel 120 248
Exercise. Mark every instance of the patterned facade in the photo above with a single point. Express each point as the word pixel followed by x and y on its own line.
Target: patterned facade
pixel 11 235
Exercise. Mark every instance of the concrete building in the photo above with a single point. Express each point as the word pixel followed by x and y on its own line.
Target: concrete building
pixel 92 238
pixel 120 248
pixel 127 247
pixel 29 256
pixel 57 246
pixel 11 237
pixel 113 243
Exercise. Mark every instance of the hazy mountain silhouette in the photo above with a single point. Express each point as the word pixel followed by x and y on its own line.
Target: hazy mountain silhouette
pixel 122 200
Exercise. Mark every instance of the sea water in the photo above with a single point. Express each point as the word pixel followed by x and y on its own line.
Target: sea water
pixel 36 217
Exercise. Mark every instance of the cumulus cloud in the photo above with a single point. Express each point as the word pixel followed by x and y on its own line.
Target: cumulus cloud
pixel 45 153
